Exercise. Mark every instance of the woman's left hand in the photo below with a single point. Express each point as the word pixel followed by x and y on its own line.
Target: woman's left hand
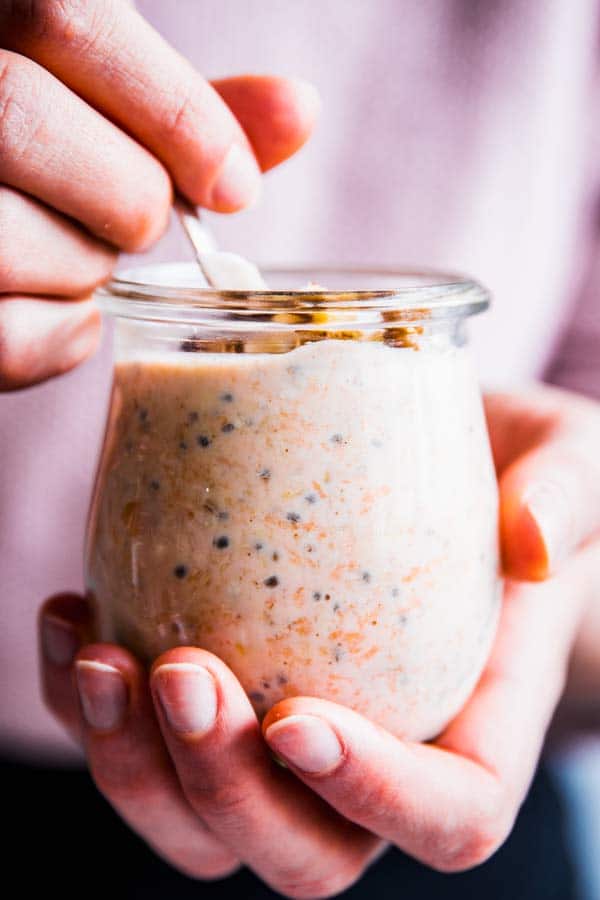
pixel 183 759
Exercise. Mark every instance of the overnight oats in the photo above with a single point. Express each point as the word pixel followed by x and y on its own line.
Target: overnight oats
pixel 301 483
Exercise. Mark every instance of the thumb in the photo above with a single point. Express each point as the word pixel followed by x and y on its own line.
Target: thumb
pixel 278 115
pixel 549 503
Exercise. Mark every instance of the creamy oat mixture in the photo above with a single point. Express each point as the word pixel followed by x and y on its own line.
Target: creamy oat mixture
pixel 322 519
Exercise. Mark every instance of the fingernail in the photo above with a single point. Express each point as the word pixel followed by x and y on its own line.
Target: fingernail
pixel 547 504
pixel 188 696
pixel 60 641
pixel 103 694
pixel 308 103
pixel 307 742
pixel 238 183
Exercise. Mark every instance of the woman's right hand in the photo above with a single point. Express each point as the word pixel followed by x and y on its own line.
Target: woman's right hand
pixel 99 119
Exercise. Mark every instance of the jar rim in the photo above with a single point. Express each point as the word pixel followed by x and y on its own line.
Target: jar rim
pixel 173 291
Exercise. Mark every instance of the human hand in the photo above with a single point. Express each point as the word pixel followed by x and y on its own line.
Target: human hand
pixel 99 118
pixel 181 757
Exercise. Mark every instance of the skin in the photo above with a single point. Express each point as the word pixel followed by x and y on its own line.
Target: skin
pixel 89 81
pixel 185 736
pixel 179 752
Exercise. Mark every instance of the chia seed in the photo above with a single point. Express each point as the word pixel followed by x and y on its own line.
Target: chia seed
pixel 281 679
pixel 293 517
pixel 221 542
pixel 265 474
pixel 366 576
pixel 193 417
pixel 311 498
pixel 271 582
pixel 143 415
pixel 183 445
pixel 180 571
pixel 154 484
pixel 337 438
pixel 258 546
pixel 227 398
pixel 228 427
pixel 256 697
pixel 191 344
pixel 203 440
pixel 316 596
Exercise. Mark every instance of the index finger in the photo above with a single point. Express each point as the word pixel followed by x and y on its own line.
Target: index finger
pixel 228 778
pixel 108 54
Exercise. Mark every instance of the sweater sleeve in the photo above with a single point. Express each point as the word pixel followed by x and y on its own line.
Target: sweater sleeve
pixel 575 362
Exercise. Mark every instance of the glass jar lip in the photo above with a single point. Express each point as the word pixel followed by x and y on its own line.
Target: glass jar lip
pixel 148 292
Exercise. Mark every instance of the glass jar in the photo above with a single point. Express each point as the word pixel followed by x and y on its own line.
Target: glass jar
pixel 300 481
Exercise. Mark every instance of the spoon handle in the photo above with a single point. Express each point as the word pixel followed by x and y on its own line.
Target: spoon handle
pixel 198 234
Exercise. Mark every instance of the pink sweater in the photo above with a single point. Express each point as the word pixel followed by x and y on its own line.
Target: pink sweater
pixel 457 133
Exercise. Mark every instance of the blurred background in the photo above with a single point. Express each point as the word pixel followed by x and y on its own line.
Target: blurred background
pixel 578 774
pixel 454 133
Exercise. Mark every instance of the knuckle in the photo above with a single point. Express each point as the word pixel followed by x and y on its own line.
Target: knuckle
pixel 192 112
pixel 207 870
pixel 121 778
pixel 148 217
pixel 360 804
pixel 466 852
pixel 19 124
pixel 131 794
pixel 219 801
pixel 89 26
pixel 295 884
pixel 53 21
pixel 23 19
pixel 11 67
pixel 109 782
pixel 473 843
pixel 368 805
pixel 178 121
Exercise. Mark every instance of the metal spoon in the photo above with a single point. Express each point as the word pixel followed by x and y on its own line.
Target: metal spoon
pixel 199 236
pixel 223 271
